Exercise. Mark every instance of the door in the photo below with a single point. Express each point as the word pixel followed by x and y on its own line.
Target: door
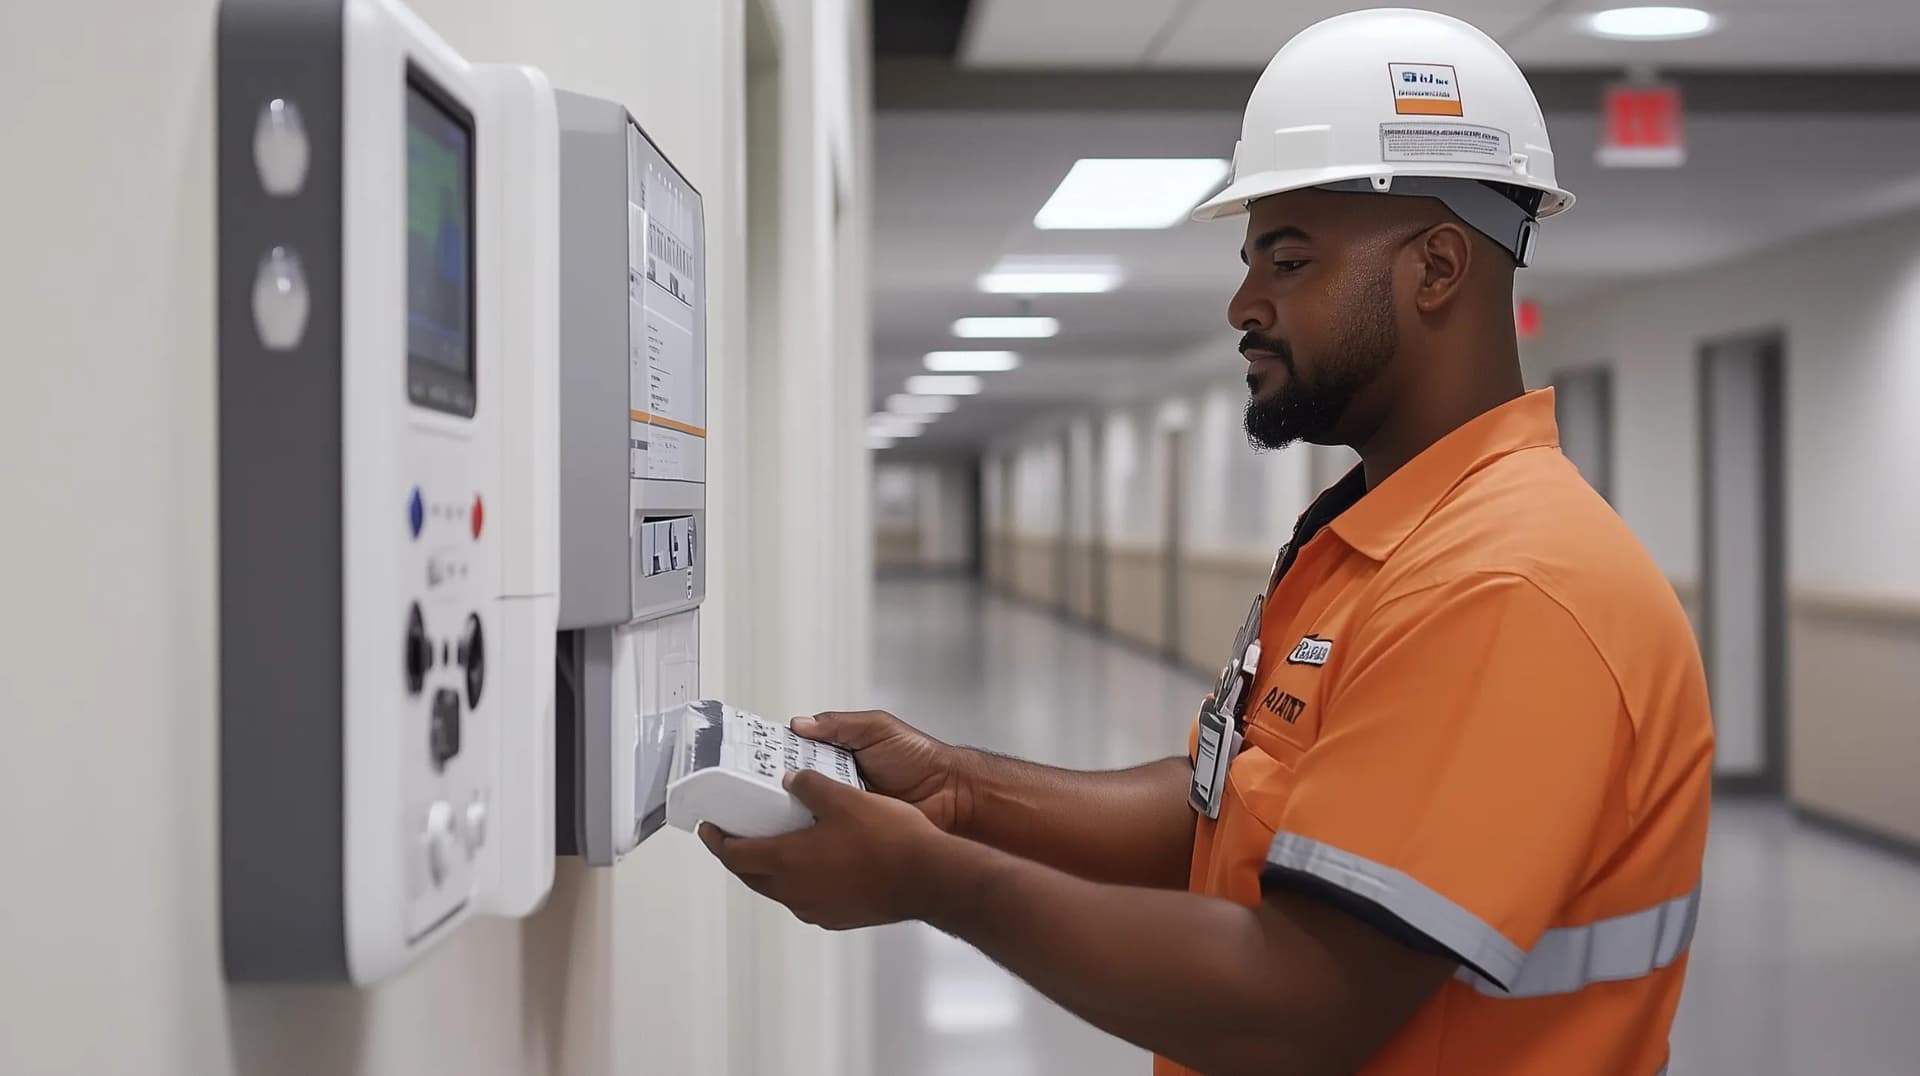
pixel 1743 560
pixel 1583 409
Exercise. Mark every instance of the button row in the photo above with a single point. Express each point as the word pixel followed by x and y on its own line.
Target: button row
pixel 419 511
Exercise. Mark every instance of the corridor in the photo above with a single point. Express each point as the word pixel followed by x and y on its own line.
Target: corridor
pixel 1806 960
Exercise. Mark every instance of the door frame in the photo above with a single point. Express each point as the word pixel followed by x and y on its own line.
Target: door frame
pixel 1602 374
pixel 1771 346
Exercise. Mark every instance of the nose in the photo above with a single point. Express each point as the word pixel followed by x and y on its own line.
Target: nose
pixel 1248 310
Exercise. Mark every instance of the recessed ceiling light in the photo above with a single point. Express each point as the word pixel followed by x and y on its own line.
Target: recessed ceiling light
pixel 1130 192
pixel 1650 23
pixel 1050 276
pixel 972 362
pixel 904 404
pixel 1021 328
pixel 950 385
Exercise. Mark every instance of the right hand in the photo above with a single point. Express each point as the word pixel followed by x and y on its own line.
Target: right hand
pixel 899 760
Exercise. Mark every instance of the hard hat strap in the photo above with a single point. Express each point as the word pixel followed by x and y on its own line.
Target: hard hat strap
pixel 1484 209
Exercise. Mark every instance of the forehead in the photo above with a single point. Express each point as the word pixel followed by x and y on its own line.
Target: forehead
pixel 1317 213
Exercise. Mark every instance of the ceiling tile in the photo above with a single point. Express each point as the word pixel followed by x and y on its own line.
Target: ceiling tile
pixel 1063 33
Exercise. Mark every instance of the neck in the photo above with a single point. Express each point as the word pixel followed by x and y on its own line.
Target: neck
pixel 1442 397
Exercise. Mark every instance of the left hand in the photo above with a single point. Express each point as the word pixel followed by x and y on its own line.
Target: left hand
pixel 863 862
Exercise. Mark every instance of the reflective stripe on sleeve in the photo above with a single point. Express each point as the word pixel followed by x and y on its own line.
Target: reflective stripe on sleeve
pixel 1458 930
pixel 1566 959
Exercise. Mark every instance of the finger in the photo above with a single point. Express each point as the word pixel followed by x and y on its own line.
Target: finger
pixel 821 794
pixel 744 856
pixel 759 883
pixel 855 731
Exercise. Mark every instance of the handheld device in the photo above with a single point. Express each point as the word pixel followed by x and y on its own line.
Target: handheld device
pixel 729 767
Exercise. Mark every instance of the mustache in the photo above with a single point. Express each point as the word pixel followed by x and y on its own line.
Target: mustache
pixel 1257 341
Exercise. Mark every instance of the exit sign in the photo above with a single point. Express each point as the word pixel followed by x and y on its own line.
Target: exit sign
pixel 1641 127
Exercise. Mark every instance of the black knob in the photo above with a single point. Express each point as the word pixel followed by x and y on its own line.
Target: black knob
pixel 419 651
pixel 443 727
pixel 473 655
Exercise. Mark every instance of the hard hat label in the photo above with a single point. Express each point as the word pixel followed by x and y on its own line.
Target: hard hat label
pixel 1443 140
pixel 1425 90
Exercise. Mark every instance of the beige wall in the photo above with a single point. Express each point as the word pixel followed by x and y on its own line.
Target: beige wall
pixel 1215 593
pixel 1036 569
pixel 109 946
pixel 1081 581
pixel 1854 732
pixel 1137 595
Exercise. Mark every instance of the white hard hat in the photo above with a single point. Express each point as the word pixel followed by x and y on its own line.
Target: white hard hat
pixel 1398 101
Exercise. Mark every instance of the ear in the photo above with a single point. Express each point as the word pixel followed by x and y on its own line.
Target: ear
pixel 1445 257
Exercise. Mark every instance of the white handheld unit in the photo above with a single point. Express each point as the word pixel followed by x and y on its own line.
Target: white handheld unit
pixel 365 680
pixel 729 767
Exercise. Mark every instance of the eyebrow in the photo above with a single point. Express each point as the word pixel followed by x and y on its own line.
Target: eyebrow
pixel 1266 241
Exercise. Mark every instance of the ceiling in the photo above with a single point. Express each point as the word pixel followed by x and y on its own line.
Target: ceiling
pixel 1774 34
pixel 956 188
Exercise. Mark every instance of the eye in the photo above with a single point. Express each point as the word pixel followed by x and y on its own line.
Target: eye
pixel 1290 265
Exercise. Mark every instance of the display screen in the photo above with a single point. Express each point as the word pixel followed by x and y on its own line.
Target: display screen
pixel 440 292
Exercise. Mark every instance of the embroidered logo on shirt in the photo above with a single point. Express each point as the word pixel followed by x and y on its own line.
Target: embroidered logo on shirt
pixel 1282 705
pixel 1312 650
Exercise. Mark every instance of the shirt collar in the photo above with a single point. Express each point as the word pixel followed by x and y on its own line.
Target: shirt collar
pixel 1379 522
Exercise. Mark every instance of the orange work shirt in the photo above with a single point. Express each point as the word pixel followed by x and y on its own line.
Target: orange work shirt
pixel 1479 721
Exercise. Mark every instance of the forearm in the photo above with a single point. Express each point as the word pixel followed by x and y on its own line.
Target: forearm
pixel 1131 827
pixel 1190 977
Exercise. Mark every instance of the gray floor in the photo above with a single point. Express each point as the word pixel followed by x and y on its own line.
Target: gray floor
pixel 1807 959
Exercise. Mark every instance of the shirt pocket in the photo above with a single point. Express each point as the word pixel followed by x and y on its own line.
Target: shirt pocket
pixel 1258 784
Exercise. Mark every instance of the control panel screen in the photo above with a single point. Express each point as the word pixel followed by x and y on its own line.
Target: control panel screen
pixel 440 260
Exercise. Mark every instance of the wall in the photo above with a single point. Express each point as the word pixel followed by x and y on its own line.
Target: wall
pixel 1850 313
pixel 925 517
pixel 108 783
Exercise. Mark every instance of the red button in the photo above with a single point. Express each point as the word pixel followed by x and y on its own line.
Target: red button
pixel 478 514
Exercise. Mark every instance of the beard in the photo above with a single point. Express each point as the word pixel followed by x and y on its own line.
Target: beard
pixel 1307 408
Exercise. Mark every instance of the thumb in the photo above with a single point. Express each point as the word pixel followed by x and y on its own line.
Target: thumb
pixel 819 793
pixel 855 730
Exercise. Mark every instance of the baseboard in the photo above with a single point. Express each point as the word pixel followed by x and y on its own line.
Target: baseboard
pixel 1748 786
pixel 1864 835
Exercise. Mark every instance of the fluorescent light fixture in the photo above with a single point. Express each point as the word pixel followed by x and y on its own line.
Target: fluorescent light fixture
pixel 894 427
pixel 972 362
pixel 877 442
pixel 1051 276
pixel 1650 23
pixel 948 385
pixel 1023 328
pixel 903 404
pixel 1130 192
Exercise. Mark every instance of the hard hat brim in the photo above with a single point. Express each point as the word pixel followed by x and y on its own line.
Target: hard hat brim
pixel 1233 201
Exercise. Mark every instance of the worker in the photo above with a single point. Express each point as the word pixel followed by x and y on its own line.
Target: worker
pixel 1446 808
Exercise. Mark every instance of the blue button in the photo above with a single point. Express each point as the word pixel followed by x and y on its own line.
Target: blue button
pixel 416 512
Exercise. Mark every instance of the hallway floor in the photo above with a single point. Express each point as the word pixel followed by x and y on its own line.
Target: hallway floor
pixel 1807 958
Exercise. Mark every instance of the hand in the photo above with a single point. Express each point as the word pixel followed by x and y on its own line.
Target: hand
pixel 900 761
pixel 862 863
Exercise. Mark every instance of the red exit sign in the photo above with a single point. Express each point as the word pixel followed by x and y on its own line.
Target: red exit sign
pixel 1642 126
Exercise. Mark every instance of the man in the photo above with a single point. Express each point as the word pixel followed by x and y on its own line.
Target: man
pixel 1447 816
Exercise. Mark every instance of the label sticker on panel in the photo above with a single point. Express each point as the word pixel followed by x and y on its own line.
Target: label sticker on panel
pixel 1443 140
pixel 1425 90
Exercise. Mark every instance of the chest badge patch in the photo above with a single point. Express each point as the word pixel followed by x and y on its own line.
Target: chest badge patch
pixel 1312 650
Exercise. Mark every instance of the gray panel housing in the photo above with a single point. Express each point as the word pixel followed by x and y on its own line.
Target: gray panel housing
pixel 594 369
pixel 282 841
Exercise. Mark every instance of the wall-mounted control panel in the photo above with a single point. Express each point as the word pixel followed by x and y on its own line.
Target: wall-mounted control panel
pixel 369 673
pixel 634 469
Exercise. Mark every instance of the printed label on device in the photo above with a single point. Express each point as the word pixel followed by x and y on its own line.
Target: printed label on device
pixel 766 750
